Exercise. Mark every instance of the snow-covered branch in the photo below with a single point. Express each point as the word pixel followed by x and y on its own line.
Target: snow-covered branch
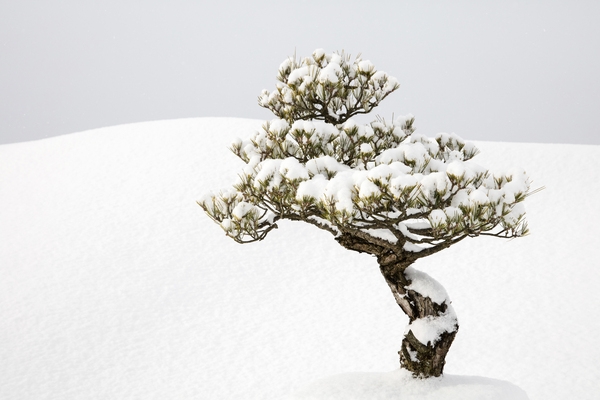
pixel 328 87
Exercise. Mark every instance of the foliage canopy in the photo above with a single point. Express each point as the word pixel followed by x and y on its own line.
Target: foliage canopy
pixel 393 189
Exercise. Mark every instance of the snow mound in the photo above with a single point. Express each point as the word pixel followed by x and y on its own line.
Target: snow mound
pixel 399 385
pixel 115 285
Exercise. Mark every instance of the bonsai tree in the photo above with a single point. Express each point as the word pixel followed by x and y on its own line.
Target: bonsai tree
pixel 377 188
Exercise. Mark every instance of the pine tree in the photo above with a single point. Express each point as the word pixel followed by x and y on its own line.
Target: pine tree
pixel 378 188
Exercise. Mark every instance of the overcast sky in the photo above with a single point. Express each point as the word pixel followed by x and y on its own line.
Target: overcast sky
pixel 486 70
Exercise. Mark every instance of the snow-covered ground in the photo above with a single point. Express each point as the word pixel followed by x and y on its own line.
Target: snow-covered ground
pixel 115 285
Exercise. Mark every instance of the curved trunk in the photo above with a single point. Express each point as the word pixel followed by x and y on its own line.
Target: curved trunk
pixel 433 324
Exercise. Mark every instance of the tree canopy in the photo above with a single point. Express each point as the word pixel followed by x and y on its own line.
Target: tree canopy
pixel 389 188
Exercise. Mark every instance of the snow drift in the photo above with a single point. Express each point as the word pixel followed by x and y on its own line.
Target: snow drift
pixel 115 285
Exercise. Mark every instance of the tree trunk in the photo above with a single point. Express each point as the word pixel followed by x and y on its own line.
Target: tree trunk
pixel 433 324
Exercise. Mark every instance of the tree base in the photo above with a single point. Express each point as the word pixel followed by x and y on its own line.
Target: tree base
pixel 400 385
pixel 425 361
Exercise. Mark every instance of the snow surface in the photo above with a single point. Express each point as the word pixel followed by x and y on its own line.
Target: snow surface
pixel 400 385
pixel 115 285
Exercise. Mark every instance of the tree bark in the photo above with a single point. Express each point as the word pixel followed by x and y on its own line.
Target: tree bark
pixel 433 323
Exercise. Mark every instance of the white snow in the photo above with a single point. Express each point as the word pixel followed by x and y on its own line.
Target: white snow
pixel 292 169
pixel 428 330
pixel 241 209
pixel 298 73
pixel 456 168
pixel 478 197
pixel 269 172
pixel 366 66
pixel 313 188
pixel 330 73
pixel 412 247
pixel 366 148
pixel 114 284
pixel 426 285
pixel 318 53
pixel 399 385
pixel 368 189
pixel 384 234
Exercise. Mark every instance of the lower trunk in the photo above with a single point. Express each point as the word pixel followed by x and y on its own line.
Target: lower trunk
pixel 433 323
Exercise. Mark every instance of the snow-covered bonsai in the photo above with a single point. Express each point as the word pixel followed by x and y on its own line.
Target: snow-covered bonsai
pixel 378 188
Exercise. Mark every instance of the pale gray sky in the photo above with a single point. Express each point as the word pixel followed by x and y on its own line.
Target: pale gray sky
pixel 487 70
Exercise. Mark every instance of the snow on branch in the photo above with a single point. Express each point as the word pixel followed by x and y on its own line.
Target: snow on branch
pixel 327 87
pixel 381 181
